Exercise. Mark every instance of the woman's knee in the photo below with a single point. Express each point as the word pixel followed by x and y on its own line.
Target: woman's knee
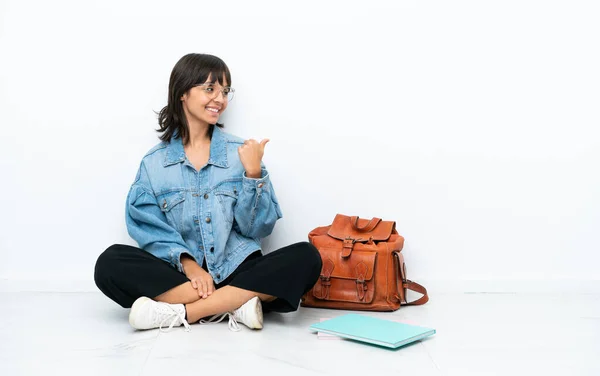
pixel 313 261
pixel 310 255
pixel 106 263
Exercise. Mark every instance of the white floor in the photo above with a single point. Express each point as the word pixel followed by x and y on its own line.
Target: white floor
pixel 477 334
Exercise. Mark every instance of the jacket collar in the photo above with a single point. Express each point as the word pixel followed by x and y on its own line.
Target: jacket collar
pixel 218 150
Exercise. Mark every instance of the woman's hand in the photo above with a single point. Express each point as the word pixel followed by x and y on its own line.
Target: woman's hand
pixel 201 280
pixel 251 154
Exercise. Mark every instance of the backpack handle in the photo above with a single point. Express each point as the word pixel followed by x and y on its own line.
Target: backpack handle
pixel 366 228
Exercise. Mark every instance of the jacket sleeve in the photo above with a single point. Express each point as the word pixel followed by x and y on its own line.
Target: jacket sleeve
pixel 148 225
pixel 257 208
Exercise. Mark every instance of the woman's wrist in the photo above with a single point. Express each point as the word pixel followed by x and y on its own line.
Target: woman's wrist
pixel 187 262
pixel 254 174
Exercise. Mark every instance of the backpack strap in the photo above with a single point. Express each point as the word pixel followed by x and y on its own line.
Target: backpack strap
pixel 402 283
pixel 414 286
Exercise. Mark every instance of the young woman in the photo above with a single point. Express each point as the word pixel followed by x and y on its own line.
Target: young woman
pixel 200 204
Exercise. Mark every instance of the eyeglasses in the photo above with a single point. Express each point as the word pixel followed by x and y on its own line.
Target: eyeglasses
pixel 212 91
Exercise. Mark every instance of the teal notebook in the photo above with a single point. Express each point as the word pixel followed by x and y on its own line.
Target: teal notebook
pixel 373 330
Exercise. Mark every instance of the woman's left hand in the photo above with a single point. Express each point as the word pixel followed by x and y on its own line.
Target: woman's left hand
pixel 251 154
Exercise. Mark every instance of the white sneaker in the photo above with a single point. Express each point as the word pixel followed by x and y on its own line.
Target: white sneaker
pixel 249 314
pixel 148 314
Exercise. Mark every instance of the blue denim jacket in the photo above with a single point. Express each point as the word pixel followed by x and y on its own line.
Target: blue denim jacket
pixel 216 213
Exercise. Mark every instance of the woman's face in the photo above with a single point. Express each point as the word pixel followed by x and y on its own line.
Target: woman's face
pixel 205 103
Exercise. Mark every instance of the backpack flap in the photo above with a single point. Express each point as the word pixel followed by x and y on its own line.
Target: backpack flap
pixel 353 229
pixel 361 230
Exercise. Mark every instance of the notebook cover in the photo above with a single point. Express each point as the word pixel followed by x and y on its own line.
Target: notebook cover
pixel 373 330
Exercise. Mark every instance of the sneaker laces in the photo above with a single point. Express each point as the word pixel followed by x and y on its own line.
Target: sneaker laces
pixel 165 312
pixel 233 324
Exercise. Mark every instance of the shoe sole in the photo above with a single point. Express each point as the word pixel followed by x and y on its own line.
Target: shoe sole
pixel 139 302
pixel 257 324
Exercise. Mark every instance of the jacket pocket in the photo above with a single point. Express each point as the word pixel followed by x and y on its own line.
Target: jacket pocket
pixel 172 205
pixel 227 196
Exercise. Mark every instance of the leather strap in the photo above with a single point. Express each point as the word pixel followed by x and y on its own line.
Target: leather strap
pixel 410 285
pixel 366 228
pixel 414 286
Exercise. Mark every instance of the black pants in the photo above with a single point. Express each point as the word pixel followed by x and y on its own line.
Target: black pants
pixel 125 273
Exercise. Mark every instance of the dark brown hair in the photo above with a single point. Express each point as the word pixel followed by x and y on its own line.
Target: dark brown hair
pixel 190 70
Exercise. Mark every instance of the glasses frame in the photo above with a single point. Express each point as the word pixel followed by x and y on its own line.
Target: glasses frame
pixel 227 96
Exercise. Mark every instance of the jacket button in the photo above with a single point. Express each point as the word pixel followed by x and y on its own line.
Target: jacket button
pixel 218 275
pixel 205 196
pixel 260 185
pixel 207 219
pixel 165 204
pixel 212 249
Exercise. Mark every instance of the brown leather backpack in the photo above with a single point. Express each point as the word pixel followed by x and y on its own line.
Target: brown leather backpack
pixel 363 267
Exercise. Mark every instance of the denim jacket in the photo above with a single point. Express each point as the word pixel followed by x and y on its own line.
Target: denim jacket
pixel 216 213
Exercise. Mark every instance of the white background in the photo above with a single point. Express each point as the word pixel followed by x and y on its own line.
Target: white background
pixel 472 124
